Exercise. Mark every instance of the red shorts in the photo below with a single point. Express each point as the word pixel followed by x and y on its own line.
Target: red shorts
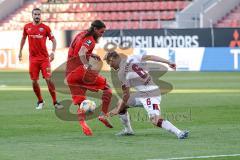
pixel 80 80
pixel 35 66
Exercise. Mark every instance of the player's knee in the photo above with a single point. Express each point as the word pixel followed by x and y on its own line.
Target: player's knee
pixel 156 120
pixel 153 120
pixel 48 80
pixel 34 81
pixel 108 91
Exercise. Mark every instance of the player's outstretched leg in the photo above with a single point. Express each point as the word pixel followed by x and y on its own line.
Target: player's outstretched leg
pixel 125 119
pixel 81 118
pixel 106 99
pixel 165 124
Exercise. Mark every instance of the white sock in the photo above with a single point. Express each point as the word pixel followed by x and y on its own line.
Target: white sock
pixel 170 127
pixel 126 121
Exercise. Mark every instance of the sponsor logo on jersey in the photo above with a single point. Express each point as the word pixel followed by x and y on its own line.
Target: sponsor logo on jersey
pixel 88 42
pixel 36 36
pixel 41 29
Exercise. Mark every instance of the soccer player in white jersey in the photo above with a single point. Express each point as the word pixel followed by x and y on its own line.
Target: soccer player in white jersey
pixel 133 74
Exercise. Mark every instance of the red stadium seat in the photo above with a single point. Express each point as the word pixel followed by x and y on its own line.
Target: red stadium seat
pixel 234 23
pixel 171 5
pixel 73 14
pixel 162 5
pixel 231 19
pixel 135 25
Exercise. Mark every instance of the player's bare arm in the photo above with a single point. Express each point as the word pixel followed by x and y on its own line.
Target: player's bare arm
pixel 82 55
pixel 23 40
pixel 54 45
pixel 158 59
pixel 96 57
pixel 122 103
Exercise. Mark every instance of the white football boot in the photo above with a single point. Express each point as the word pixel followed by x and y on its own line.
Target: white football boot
pixel 40 105
pixel 183 135
pixel 58 105
pixel 125 132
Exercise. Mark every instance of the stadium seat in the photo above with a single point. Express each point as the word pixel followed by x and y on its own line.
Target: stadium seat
pixel 119 14
pixel 231 19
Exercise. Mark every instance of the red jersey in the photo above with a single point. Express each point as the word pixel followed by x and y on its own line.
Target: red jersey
pixel 37 35
pixel 79 41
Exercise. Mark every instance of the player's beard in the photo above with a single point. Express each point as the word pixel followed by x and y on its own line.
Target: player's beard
pixel 96 38
pixel 37 20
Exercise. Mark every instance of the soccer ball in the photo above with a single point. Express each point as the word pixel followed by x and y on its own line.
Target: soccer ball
pixel 88 106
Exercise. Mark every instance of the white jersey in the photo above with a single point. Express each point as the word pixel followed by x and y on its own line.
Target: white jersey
pixel 134 73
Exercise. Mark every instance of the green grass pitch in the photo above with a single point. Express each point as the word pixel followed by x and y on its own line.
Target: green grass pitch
pixel 210 110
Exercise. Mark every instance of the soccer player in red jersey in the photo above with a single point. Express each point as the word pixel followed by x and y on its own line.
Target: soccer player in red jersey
pixel 80 77
pixel 39 59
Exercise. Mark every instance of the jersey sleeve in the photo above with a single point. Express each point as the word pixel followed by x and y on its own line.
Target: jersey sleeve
pixel 49 33
pixel 89 43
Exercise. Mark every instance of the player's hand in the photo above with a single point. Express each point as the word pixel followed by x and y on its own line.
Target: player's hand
pixel 51 56
pixel 20 56
pixel 112 113
pixel 172 65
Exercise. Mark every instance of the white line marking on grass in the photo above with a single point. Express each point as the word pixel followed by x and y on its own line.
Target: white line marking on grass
pixel 199 157
pixel 9 88
pixel 205 91
pixel 175 91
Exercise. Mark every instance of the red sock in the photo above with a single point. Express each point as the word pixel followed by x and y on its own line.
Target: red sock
pixel 106 99
pixel 81 116
pixel 51 89
pixel 37 91
pixel 81 119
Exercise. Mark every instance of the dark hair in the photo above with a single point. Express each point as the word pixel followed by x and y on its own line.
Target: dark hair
pixel 112 54
pixel 95 24
pixel 36 9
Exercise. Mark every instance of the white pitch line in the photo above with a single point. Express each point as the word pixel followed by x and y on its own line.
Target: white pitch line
pixel 20 89
pixel 205 91
pixel 199 157
pixel 175 91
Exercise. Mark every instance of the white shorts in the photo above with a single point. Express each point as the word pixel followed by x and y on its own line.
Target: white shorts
pixel 151 104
